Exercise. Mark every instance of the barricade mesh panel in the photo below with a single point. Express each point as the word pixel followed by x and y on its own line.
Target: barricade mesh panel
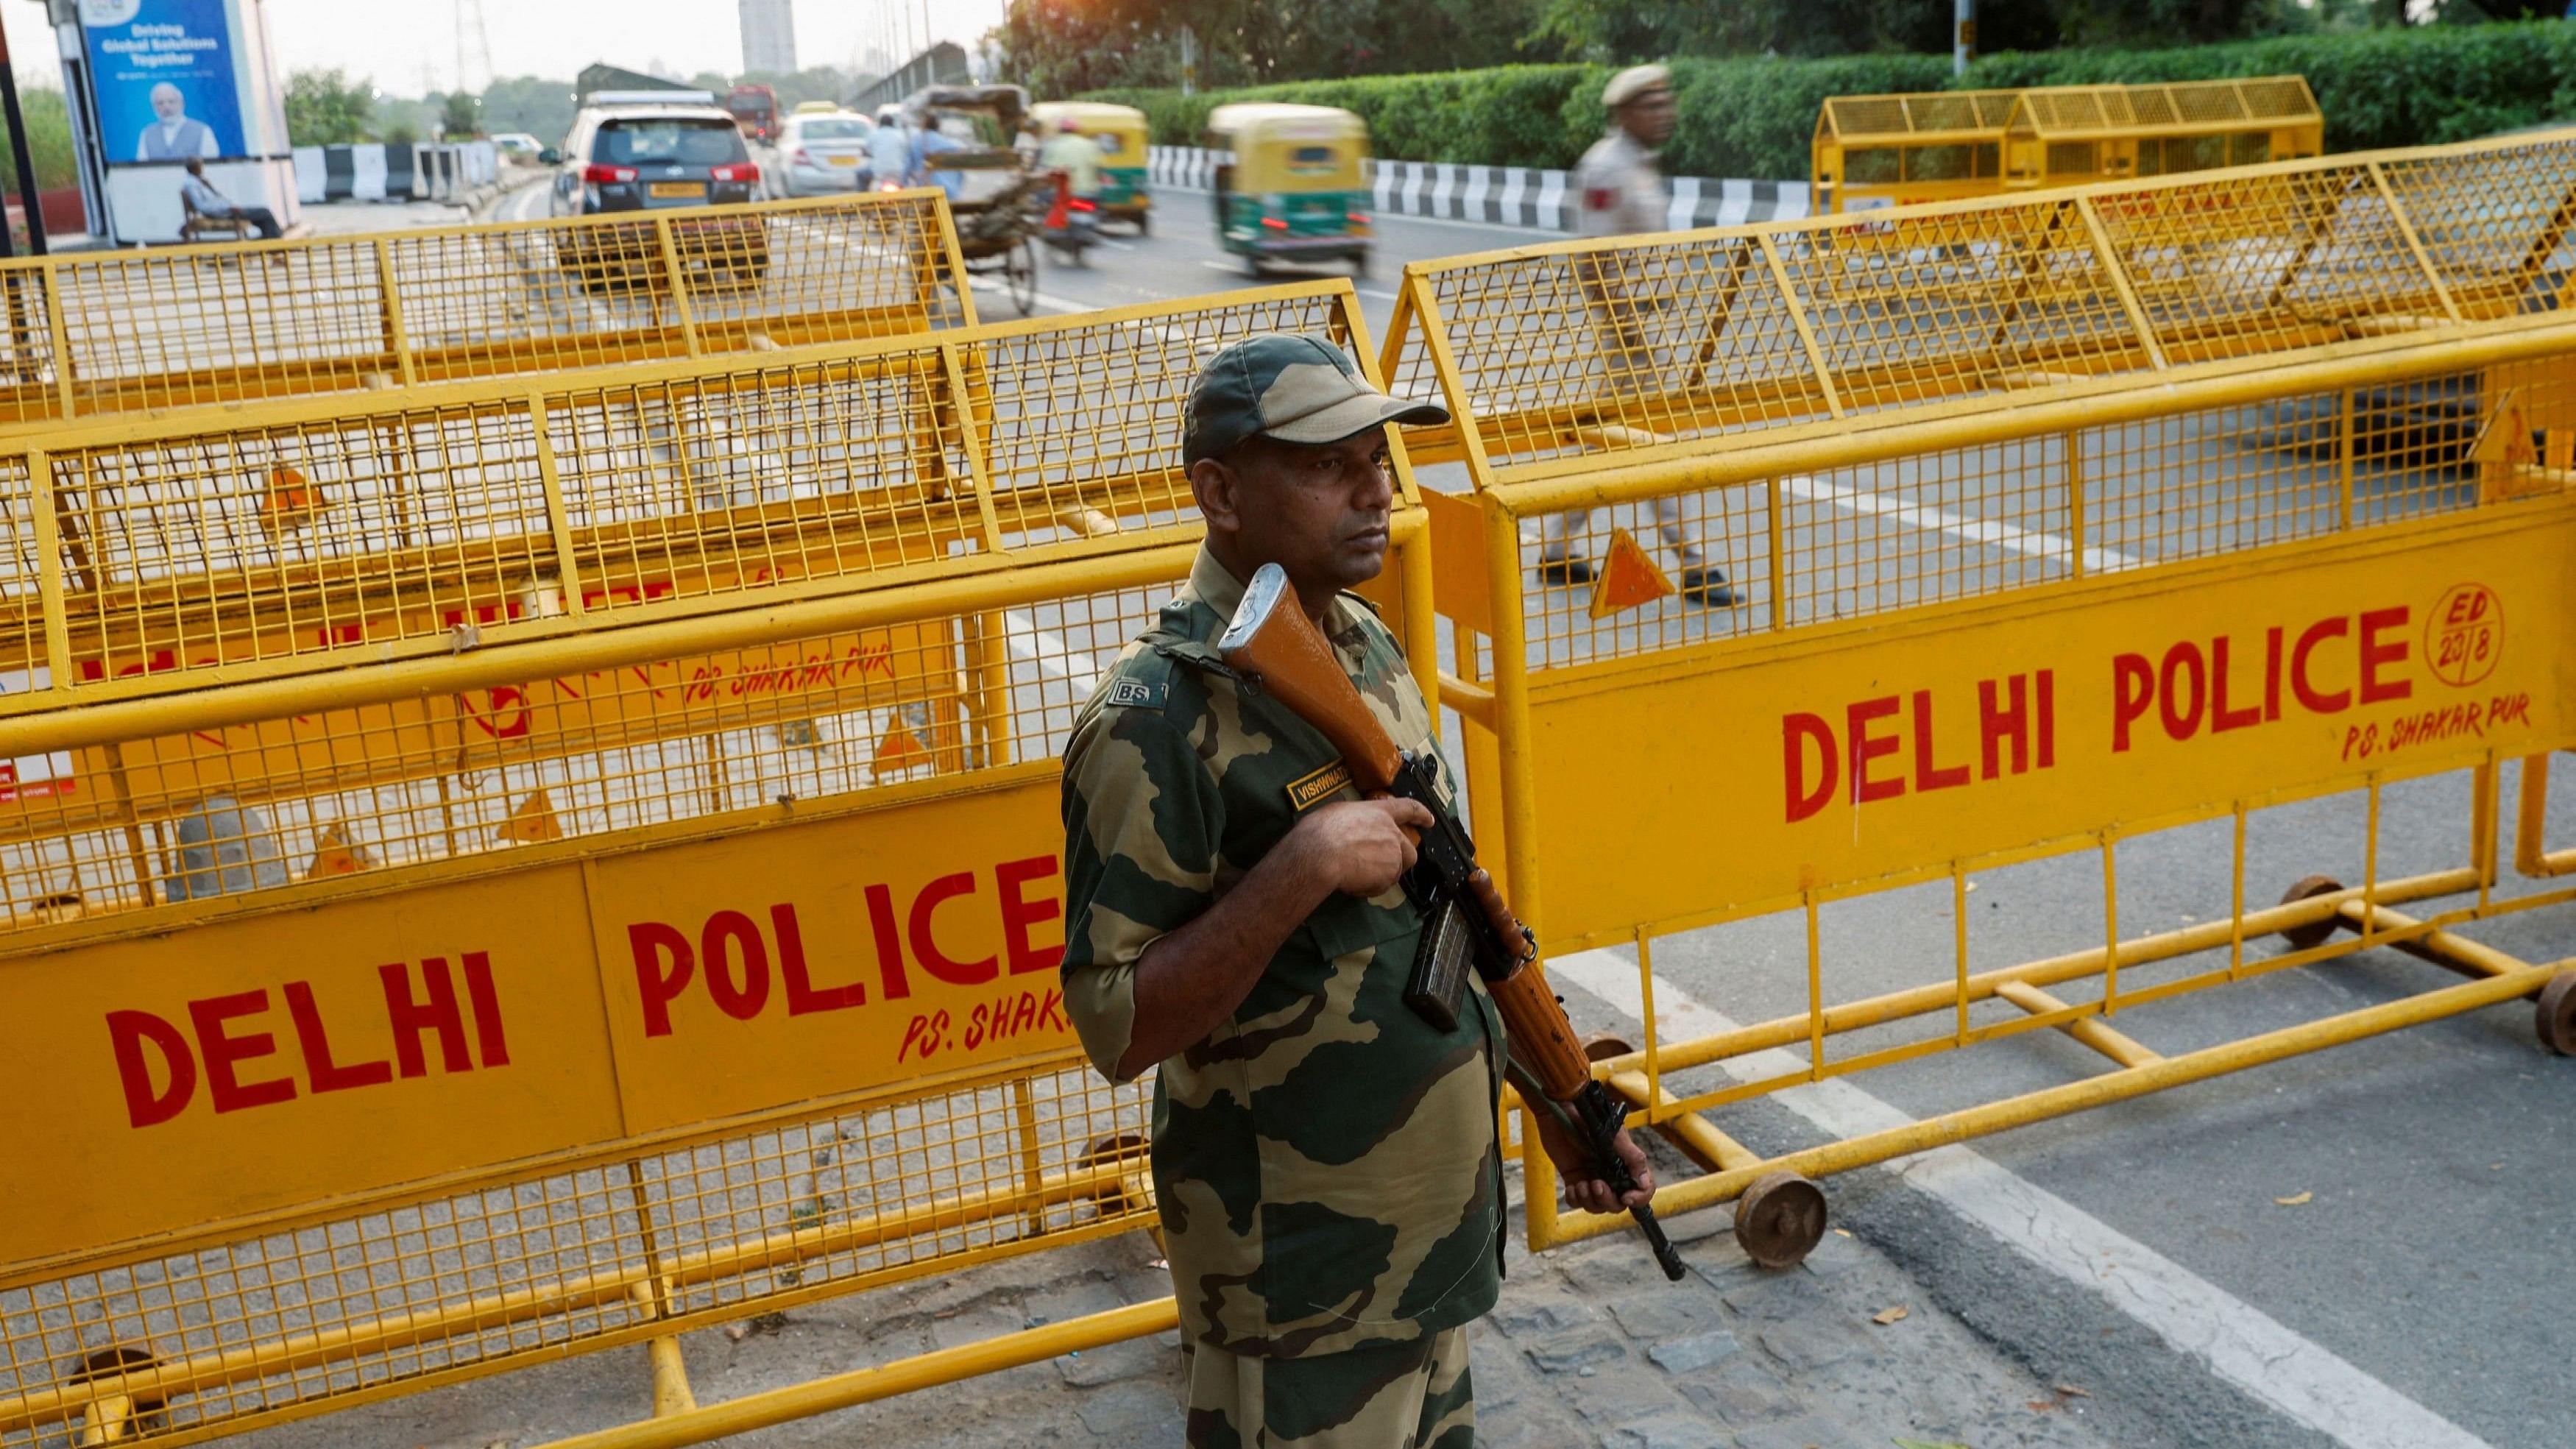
pixel 144 823
pixel 1587 350
pixel 132 332
pixel 1954 524
pixel 205 545
pixel 649 1242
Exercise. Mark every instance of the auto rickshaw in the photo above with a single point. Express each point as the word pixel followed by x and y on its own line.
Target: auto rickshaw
pixel 1120 133
pixel 1292 184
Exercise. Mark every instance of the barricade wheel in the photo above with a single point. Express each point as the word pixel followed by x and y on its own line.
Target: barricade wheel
pixel 2556 1017
pixel 2314 933
pixel 1131 1193
pixel 1780 1219
pixel 1131 1149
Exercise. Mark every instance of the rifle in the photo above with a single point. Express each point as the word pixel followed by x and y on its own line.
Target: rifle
pixel 1465 919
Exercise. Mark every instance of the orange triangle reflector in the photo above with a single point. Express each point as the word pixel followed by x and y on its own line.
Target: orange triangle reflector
pixel 1628 578
pixel 290 501
pixel 898 750
pixel 333 854
pixel 533 822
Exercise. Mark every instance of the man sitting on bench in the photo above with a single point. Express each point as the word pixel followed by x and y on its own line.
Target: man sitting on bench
pixel 204 200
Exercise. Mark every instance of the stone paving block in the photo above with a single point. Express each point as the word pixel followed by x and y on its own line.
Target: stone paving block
pixel 1674 1313
pixel 1079 1298
pixel 1536 1429
pixel 1699 1226
pixel 1808 1344
pixel 1699 1350
pixel 1773 1297
pixel 1741 1394
pixel 1666 1431
pixel 974 1325
pixel 1612 1266
pixel 1572 1352
pixel 1111 1362
pixel 1501 1376
pixel 1133 1412
pixel 1619 1394
pixel 1541 1312
pixel 1835 1254
pixel 1813 1432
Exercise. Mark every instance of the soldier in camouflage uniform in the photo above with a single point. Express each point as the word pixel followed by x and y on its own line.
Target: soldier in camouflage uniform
pixel 1324 1160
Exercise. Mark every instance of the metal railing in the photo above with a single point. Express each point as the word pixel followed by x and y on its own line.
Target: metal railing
pixel 135 332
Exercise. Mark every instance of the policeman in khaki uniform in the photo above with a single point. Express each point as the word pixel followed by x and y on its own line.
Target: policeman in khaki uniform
pixel 1621 193
pixel 1328 1178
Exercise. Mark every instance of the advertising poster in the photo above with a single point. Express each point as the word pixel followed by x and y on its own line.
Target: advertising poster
pixel 164 76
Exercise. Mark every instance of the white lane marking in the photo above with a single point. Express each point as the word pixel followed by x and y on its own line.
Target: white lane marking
pixel 1049 651
pixel 525 208
pixel 1974 530
pixel 1374 294
pixel 2241 1344
pixel 1053 304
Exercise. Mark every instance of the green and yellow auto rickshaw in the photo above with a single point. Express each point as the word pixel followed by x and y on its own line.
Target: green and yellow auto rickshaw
pixel 1291 184
pixel 1120 133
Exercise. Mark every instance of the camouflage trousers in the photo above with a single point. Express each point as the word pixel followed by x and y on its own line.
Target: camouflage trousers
pixel 1413 1395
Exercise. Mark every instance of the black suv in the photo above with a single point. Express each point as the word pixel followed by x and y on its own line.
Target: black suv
pixel 631 152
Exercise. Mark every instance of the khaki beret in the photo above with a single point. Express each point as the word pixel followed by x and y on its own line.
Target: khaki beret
pixel 1633 82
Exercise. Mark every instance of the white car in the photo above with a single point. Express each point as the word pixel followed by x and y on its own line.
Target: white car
pixel 517 145
pixel 819 153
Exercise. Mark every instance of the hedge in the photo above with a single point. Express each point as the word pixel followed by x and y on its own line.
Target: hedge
pixel 1754 116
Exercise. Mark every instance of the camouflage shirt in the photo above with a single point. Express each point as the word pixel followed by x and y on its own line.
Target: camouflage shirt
pixel 1325 1162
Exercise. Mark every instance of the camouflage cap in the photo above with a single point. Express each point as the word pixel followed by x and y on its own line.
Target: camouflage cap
pixel 1289 386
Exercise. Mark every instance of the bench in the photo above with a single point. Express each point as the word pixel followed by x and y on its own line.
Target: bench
pixel 198 226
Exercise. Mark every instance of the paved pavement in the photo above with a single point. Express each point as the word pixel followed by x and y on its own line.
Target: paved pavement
pixel 1590 1346
pixel 2364 1247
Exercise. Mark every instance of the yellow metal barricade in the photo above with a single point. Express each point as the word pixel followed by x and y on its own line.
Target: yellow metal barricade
pixel 1877 151
pixel 689 956
pixel 2054 523
pixel 129 332
pixel 1906 150
pixel 2069 135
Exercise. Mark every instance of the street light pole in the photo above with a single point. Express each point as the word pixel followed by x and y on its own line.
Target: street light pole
pixel 1963 37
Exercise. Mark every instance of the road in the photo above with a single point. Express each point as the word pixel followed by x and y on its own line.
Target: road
pixel 1181 259
pixel 2381 1227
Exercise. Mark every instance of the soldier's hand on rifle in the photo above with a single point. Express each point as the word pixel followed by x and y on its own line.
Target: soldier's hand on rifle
pixel 1583 1187
pixel 1361 847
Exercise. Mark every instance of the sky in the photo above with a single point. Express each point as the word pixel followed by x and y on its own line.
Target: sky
pixel 395 41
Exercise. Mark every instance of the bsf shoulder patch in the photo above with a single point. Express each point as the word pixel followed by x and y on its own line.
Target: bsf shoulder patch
pixel 1309 791
pixel 1135 694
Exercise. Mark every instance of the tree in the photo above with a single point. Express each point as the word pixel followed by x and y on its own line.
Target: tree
pixel 541 108
pixel 1061 47
pixel 324 108
pixel 458 119
pixel 49 142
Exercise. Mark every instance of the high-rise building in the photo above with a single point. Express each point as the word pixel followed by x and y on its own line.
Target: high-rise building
pixel 769 36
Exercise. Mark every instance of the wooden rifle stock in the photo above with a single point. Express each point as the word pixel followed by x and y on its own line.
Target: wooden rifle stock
pixel 1272 640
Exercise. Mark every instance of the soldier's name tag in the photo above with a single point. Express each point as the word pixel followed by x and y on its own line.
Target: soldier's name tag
pixel 1309 791
pixel 1135 692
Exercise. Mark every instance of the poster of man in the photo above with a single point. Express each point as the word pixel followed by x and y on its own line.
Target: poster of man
pixel 164 73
